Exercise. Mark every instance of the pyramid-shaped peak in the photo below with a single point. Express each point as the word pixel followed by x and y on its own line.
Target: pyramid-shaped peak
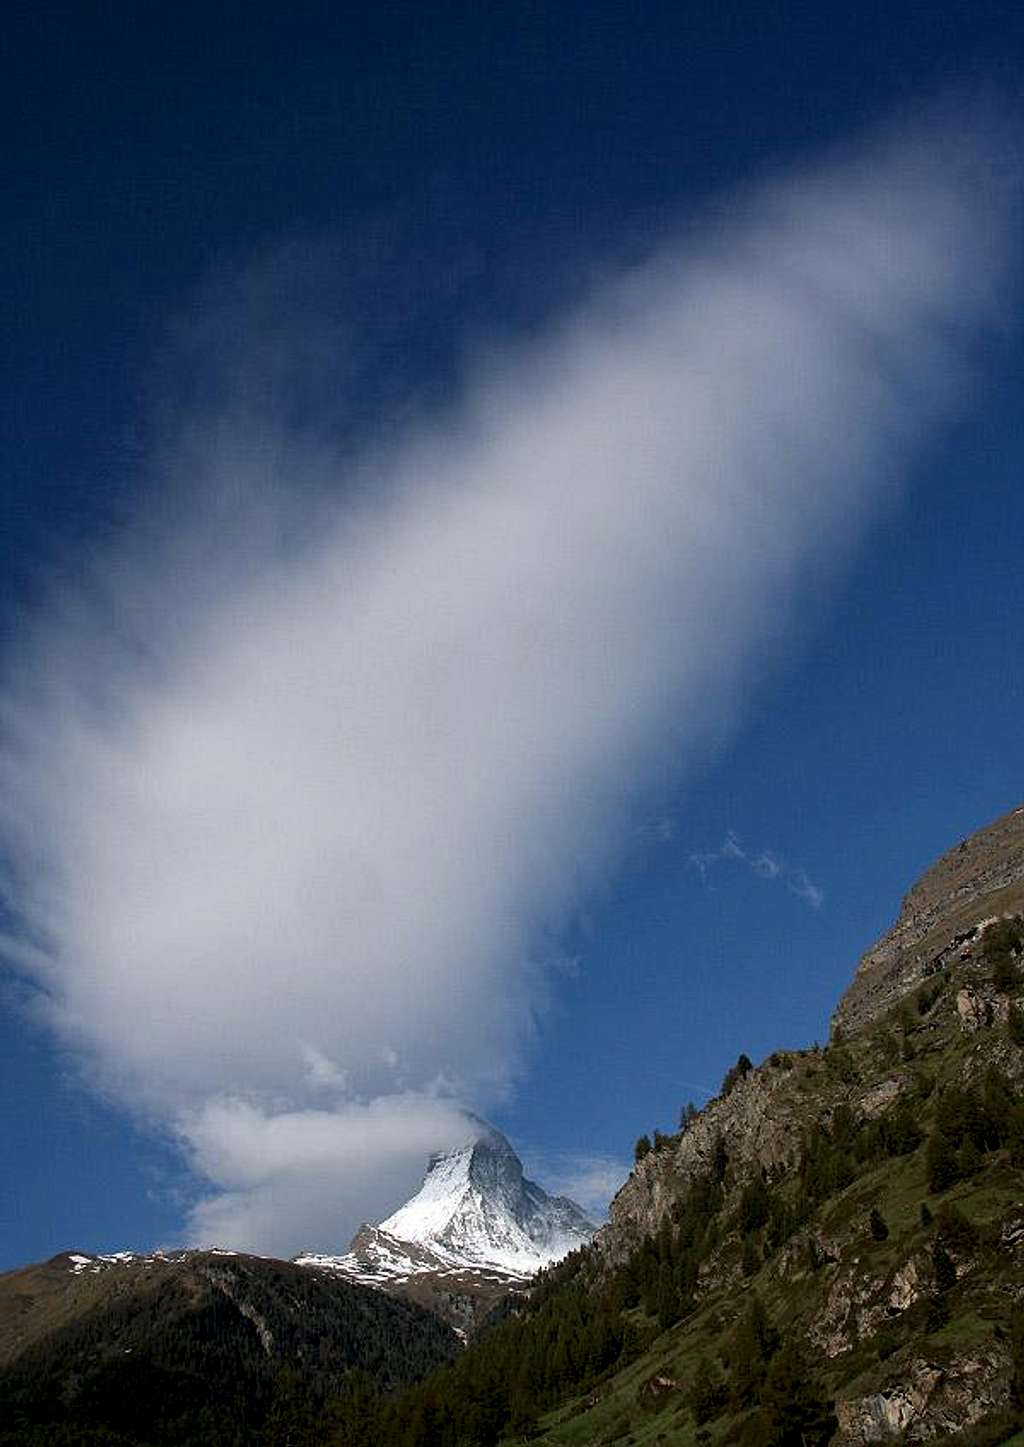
pixel 475 1205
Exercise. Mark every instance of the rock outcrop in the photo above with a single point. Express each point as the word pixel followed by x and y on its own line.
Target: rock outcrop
pixel 981 877
pixel 761 1122
pixel 927 1397
pixel 759 1125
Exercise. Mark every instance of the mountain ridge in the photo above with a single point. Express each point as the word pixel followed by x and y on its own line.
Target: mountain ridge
pixel 191 1347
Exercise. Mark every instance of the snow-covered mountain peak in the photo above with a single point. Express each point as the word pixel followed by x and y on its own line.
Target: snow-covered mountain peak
pixel 476 1207
pixel 475 1212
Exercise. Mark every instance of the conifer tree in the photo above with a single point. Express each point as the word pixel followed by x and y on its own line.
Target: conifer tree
pixel 755 1204
pixel 736 1073
pixel 753 1343
pixel 707 1395
pixel 719 1159
pixel 668 1297
pixel 794 1410
pixel 942 1264
pixel 941 1162
pixel 1017 1355
pixel 938 1313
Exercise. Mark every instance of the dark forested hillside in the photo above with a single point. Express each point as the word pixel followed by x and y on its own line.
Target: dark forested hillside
pixel 194 1348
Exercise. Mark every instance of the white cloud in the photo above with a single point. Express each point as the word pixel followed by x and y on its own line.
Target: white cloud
pixel 323 1074
pixel 767 865
pixel 302 777
pixel 289 1179
pixel 590 1179
pixel 802 887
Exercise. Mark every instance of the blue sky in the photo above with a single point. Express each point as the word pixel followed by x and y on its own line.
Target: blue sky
pixel 285 292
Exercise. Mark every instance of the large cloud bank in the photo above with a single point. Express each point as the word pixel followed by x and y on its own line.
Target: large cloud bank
pixel 293 792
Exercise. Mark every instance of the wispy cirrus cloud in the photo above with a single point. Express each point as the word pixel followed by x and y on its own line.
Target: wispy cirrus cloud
pixel 803 888
pixel 765 863
pixel 302 776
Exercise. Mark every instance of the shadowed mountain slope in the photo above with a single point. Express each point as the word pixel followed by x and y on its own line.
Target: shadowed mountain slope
pixel 192 1347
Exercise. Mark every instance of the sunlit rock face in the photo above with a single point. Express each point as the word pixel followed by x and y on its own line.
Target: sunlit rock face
pixel 974 883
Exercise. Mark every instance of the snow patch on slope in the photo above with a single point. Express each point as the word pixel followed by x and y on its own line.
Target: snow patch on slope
pixel 103 1261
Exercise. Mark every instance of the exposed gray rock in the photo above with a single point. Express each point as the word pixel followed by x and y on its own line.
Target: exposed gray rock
pixel 980 1008
pixel 979 879
pixel 859 1302
pixel 654 1390
pixel 929 1398
pixel 880 1416
pixel 876 1102
pixel 760 1122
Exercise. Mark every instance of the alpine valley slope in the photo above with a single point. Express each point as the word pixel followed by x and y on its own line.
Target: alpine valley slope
pixel 476 1229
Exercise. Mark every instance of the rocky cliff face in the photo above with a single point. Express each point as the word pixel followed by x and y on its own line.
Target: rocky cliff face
pixel 982 876
pixel 759 1125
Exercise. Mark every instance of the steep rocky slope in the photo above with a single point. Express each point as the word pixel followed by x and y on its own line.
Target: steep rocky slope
pixel 938 936
pixel 981 877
